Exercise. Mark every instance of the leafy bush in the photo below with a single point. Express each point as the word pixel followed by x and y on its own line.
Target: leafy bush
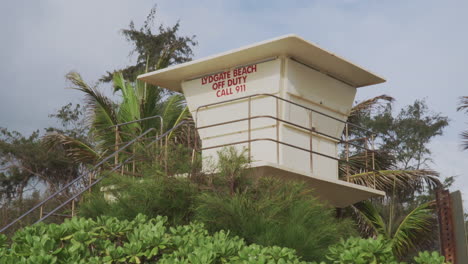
pixel 362 251
pixel 265 211
pixel 274 212
pixel 429 258
pixel 142 240
pixel 151 196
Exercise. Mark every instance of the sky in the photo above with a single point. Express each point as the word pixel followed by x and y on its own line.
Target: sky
pixel 419 46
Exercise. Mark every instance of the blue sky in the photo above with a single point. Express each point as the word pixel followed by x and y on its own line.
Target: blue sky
pixel 418 46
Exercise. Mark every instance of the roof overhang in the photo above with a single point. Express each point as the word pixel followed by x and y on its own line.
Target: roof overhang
pixel 334 192
pixel 290 45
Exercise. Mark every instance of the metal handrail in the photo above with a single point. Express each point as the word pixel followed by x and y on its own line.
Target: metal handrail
pixel 74 181
pixel 273 140
pixel 286 122
pixel 311 130
pixel 139 120
pixel 98 180
pixel 285 100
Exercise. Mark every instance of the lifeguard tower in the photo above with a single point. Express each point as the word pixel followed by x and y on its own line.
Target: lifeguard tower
pixel 285 100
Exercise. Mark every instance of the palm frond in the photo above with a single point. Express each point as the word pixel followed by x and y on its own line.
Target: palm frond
pixel 463 104
pixel 413 229
pixel 102 112
pixel 94 98
pixel 362 161
pixel 370 103
pixel 388 179
pixel 464 136
pixel 181 116
pixel 75 149
pixel 173 109
pixel 129 108
pixel 369 220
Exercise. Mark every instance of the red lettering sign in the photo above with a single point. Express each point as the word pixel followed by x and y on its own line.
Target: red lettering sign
pixel 229 82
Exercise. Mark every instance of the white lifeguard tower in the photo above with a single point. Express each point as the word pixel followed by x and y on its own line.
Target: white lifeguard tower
pixel 286 100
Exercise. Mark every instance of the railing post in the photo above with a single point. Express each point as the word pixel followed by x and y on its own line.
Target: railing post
pixel 373 158
pixel 347 152
pixel 188 136
pixel 73 208
pixel 310 142
pixel 165 155
pixel 365 148
pixel 41 212
pixel 116 148
pixel 249 128
pixel 161 131
pixel 155 149
pixel 90 180
pixel 277 133
pixel 133 162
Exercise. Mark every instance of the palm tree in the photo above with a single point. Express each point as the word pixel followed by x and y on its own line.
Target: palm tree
pixel 405 228
pixel 404 224
pixel 137 102
pixel 463 106
pixel 385 175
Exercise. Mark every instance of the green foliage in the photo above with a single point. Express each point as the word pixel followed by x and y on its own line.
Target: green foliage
pixel 179 160
pixel 404 215
pixel 136 102
pixel 25 159
pixel 429 258
pixel 72 120
pixel 155 50
pixel 273 212
pixel 142 240
pixel 404 234
pixel 363 251
pixel 267 212
pixel 152 196
pixel 405 135
pixel 230 170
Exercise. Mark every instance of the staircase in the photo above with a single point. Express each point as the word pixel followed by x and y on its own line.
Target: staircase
pixel 70 187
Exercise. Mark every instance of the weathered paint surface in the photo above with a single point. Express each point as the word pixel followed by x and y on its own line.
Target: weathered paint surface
pixel 287 79
pixel 257 78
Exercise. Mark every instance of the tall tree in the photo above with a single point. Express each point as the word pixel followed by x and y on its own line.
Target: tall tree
pixel 25 161
pixel 154 50
pixel 405 215
pixel 407 135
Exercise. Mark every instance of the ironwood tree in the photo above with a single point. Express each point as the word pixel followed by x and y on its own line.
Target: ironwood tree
pixel 154 48
pixel 405 135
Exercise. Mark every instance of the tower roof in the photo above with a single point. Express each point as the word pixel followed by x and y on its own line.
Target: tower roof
pixel 289 45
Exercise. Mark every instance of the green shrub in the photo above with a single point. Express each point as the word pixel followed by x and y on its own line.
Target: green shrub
pixel 429 258
pixel 142 240
pixel 152 196
pixel 363 251
pixel 274 212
